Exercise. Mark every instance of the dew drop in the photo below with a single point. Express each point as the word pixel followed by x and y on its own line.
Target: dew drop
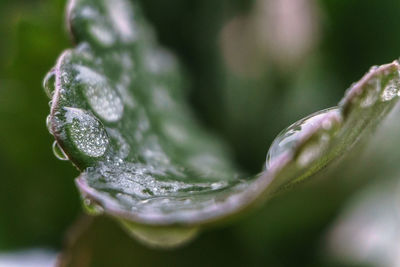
pixel 159 236
pixel 121 15
pixel 92 208
pixel 122 145
pixel 87 133
pixel 48 124
pixel 391 91
pixel 289 137
pixel 103 34
pixel 58 152
pixel 49 83
pixel 102 98
pixel 98 27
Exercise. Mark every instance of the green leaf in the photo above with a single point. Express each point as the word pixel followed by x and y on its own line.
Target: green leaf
pixel 119 114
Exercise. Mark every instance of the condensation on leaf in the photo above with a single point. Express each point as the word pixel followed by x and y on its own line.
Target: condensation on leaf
pixel 86 132
pixel 391 91
pixel 120 115
pixel 121 13
pixel 104 100
pixel 123 148
pixel 130 181
pixel 102 34
pixel 100 30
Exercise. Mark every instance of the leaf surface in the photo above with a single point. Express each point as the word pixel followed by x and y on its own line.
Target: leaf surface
pixel 120 115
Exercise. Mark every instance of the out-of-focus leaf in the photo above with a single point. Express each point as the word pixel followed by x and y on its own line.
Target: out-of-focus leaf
pixel 37 201
pixel 87 247
pixel 368 230
pixel 119 114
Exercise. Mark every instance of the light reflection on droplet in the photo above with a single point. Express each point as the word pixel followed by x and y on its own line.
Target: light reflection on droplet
pixel 288 138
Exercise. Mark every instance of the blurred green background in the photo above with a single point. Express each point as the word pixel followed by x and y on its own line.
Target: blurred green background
pixel 255 67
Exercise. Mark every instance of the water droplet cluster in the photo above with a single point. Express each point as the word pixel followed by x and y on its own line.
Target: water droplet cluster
pixel 120 14
pixel 102 98
pixel 391 90
pixel 86 132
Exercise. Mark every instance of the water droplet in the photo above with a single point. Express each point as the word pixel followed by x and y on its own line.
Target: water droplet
pixel 48 124
pixel 87 133
pixel 123 148
pixel 391 90
pixel 49 83
pixel 289 138
pixel 161 236
pixel 92 208
pixel 102 33
pixel 102 98
pixel 120 13
pixel 59 152
pixel 65 78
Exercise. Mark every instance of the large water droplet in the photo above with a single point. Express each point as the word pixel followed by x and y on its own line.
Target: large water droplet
pixel 49 83
pixel 59 152
pixel 102 98
pixel 289 137
pixel 87 133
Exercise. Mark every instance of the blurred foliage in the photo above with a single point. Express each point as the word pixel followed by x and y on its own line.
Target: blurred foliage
pixel 38 199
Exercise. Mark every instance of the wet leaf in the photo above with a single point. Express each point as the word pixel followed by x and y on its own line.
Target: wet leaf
pixel 120 115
